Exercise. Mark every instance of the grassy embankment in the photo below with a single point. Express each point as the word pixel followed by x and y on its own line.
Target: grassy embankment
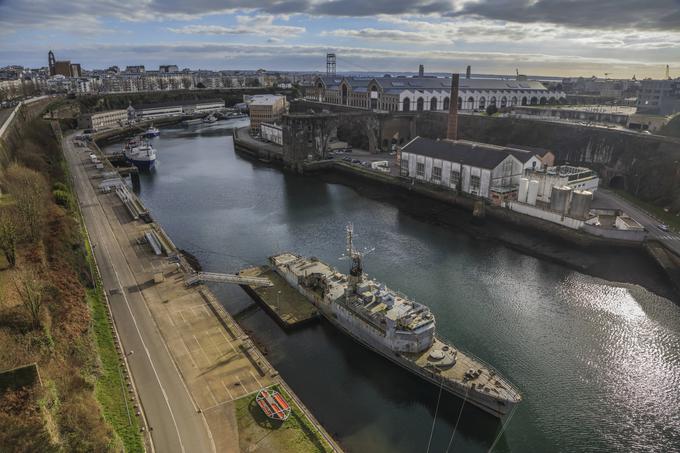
pixel 295 435
pixel 81 402
pixel 670 219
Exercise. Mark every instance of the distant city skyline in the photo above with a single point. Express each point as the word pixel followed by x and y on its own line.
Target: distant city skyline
pixel 618 38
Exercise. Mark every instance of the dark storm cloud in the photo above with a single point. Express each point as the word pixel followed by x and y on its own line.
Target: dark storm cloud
pixel 374 7
pixel 611 14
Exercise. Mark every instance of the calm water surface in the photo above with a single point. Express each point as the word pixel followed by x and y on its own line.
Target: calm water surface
pixel 598 362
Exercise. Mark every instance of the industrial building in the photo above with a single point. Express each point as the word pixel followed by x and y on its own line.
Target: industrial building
pixel 422 93
pixel 265 108
pixel 176 108
pixel 580 178
pixel 103 120
pixel 272 133
pixel 62 67
pixel 477 169
pixel 659 97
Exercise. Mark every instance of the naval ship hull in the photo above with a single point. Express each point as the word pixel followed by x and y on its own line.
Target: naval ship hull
pixel 482 401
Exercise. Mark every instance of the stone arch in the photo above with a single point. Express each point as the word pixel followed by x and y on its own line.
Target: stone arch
pixel 482 102
pixel 534 100
pixel 543 100
pixel 420 104
pixel 460 103
pixel 471 103
pixel 407 105
pixel 445 105
pixel 344 94
pixel 524 100
pixel 433 103
pixel 374 97
pixel 552 100
pixel 504 102
pixel 513 101
pixel 617 182
pixel 492 101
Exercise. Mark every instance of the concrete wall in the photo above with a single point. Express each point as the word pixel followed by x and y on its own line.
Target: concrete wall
pixel 620 235
pixel 550 216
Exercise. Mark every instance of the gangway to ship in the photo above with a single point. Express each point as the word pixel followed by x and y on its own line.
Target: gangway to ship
pixel 226 278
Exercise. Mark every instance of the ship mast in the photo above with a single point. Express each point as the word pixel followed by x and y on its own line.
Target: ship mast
pixel 356 268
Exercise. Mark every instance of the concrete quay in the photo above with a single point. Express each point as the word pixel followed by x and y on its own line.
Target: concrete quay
pixel 190 361
pixel 287 306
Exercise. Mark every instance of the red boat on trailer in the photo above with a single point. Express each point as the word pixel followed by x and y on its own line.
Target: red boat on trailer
pixel 273 405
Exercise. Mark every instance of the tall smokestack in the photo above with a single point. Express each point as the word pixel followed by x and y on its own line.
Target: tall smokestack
pixel 467 72
pixel 452 129
pixel 421 71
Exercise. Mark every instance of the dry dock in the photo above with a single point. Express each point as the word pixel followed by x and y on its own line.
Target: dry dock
pixel 177 338
pixel 287 306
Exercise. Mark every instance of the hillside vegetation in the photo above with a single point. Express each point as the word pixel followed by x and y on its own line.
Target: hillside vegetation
pixel 52 314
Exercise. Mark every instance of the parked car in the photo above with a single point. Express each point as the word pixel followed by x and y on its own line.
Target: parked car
pixel 663 227
pixel 356 161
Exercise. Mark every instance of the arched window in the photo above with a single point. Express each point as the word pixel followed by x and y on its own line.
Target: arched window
pixel 407 105
pixel 420 104
pixel 344 95
pixel 492 101
pixel 513 101
pixel 482 102
pixel 433 104
pixel 460 103
pixel 552 100
pixel 524 100
pixel 471 103
pixel 504 102
pixel 446 104
pixel 543 100
pixel 534 100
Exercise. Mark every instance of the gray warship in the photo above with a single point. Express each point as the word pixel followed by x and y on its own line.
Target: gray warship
pixel 395 327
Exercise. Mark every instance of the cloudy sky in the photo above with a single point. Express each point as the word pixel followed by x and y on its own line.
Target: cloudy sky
pixel 540 37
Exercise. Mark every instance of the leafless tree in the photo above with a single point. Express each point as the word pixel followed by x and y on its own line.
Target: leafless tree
pixel 8 239
pixel 29 189
pixel 31 290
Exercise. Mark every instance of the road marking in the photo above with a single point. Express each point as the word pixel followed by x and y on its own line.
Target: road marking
pixel 201 348
pixel 242 385
pixel 228 341
pixel 172 321
pixel 231 397
pixel 189 352
pixel 148 355
pixel 256 379
pixel 211 393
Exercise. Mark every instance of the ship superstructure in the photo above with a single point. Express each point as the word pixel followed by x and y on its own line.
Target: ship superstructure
pixel 140 153
pixel 395 326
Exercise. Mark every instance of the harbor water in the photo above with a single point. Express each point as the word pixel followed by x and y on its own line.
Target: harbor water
pixel 598 362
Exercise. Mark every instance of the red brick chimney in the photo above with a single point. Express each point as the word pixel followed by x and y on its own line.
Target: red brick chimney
pixel 452 129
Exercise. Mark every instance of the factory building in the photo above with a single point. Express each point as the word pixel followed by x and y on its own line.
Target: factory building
pixel 422 93
pixel 574 178
pixel 478 169
pixel 177 108
pixel 103 120
pixel 659 97
pixel 265 108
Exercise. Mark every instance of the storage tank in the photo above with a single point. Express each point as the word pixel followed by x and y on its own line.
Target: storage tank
pixel 532 193
pixel 523 190
pixel 559 198
pixel 580 204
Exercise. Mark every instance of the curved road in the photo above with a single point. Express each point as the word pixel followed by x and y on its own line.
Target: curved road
pixel 174 423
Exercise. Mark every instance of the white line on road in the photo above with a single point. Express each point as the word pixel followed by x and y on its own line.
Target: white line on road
pixel 259 384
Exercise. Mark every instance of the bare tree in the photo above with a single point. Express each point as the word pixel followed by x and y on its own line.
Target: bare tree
pixel 31 290
pixel 186 83
pixel 8 239
pixel 29 189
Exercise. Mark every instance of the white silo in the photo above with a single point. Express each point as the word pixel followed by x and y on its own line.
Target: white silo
pixel 580 204
pixel 523 190
pixel 532 193
pixel 559 198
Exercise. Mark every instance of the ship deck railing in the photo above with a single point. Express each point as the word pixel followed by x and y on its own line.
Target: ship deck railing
pixel 506 382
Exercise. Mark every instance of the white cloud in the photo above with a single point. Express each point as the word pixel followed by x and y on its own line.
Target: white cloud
pixel 394 35
pixel 246 25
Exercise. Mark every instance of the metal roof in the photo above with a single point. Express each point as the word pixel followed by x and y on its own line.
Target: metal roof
pixel 393 84
pixel 475 154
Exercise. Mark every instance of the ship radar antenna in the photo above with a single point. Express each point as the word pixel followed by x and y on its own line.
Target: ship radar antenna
pixel 355 256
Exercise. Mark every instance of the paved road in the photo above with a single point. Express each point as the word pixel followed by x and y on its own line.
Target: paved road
pixel 605 198
pixel 174 423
